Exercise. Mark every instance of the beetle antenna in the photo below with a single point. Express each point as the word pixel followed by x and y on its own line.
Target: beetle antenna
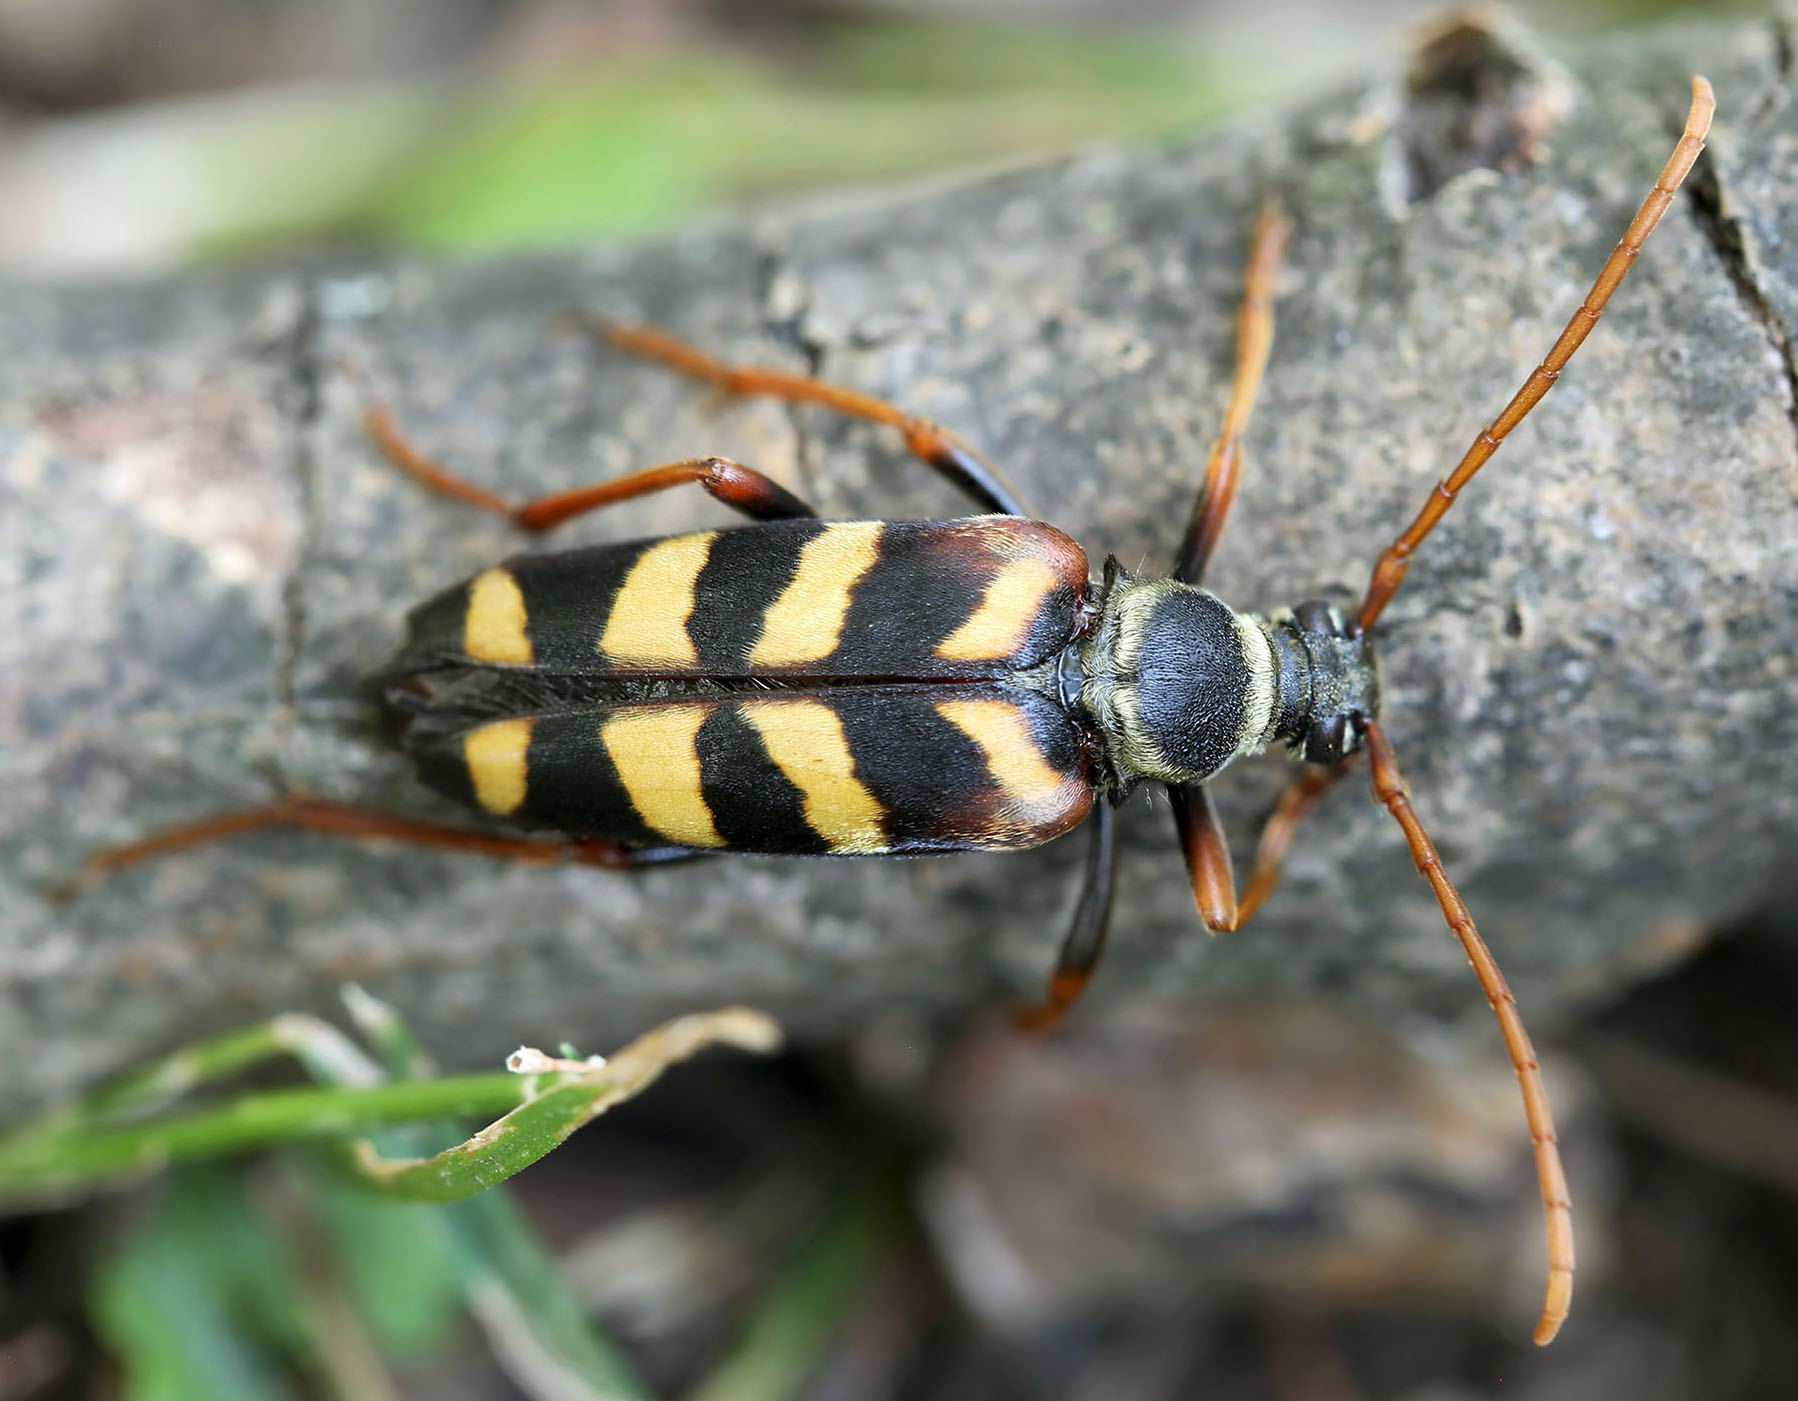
pixel 1389 571
pixel 1389 791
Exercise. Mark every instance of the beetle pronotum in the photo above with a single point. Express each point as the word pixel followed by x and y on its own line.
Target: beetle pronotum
pixel 875 687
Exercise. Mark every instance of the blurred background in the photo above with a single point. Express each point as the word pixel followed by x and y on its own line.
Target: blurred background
pixel 1273 1200
pixel 135 134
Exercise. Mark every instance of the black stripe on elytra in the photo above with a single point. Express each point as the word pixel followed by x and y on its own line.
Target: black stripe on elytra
pixel 1054 732
pixel 929 776
pixel 747 570
pixel 572 786
pixel 568 599
pixel 923 586
pixel 754 806
pixel 1052 629
pixel 435 628
pixel 437 759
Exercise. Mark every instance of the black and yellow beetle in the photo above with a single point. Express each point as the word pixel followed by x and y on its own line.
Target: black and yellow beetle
pixel 863 688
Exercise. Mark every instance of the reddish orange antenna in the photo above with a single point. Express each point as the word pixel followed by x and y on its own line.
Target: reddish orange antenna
pixel 1389 570
pixel 1389 791
pixel 1388 786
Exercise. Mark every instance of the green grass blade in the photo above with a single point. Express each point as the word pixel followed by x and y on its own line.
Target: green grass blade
pixel 200 1300
pixel 538 1328
pixel 545 1120
pixel 794 1323
pixel 66 1159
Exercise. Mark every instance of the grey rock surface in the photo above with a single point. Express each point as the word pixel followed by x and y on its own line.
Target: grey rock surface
pixel 1589 675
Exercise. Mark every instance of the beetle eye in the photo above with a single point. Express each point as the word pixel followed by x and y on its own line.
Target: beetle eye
pixel 1315 615
pixel 1327 741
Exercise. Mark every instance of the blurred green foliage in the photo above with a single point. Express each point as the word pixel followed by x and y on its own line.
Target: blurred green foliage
pixel 632 148
pixel 191 1302
pixel 635 141
pixel 316 1270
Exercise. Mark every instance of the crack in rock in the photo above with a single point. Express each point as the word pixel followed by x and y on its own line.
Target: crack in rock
pixel 306 392
pixel 1727 234
pixel 784 304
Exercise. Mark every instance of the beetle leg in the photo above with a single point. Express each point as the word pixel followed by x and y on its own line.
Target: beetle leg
pixel 1298 798
pixel 1208 856
pixel 1254 340
pixel 936 447
pixel 304 812
pixel 1085 940
pixel 742 488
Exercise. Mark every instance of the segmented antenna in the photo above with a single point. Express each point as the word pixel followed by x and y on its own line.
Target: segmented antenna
pixel 1389 791
pixel 1389 570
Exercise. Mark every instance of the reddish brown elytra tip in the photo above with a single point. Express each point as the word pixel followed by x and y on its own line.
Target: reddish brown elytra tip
pixel 1389 791
pixel 1389 570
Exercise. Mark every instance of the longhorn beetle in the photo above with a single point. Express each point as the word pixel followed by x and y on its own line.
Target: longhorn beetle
pixel 865 688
